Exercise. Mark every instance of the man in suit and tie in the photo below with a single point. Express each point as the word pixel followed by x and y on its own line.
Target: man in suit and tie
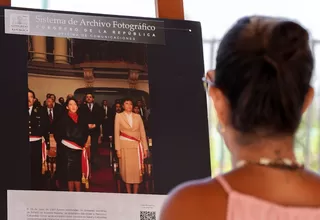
pixel 107 120
pixel 54 112
pixel 116 108
pixel 47 96
pixel 94 116
pixel 141 108
pixel 38 128
pixel 56 105
pixel 61 101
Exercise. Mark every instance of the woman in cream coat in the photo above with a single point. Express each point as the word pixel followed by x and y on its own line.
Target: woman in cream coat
pixel 131 145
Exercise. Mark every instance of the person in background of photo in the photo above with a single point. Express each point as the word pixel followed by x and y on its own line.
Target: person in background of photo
pixel 131 145
pixel 79 102
pixel 260 89
pixel 47 96
pixel 69 96
pixel 55 104
pixel 94 117
pixel 61 101
pixel 38 129
pixel 142 109
pixel 54 112
pixel 117 108
pixel 107 124
pixel 37 103
pixel 73 131
pixel 136 110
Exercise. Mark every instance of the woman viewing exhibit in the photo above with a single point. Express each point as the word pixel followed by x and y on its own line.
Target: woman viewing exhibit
pixel 260 89
pixel 73 130
pixel 131 145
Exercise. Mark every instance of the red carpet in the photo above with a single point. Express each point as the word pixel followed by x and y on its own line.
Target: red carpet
pixel 102 179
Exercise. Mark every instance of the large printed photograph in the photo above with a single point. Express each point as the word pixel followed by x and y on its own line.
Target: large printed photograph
pixel 89 116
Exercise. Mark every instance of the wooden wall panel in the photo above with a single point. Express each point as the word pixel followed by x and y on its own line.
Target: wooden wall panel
pixel 171 9
pixel 5 2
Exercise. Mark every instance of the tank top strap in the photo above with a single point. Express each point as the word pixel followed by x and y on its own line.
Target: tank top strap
pixel 225 185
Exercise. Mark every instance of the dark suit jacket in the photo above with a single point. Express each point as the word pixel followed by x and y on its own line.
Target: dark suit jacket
pixel 92 117
pixel 109 112
pixel 69 130
pixel 38 122
pixel 57 113
pixel 107 124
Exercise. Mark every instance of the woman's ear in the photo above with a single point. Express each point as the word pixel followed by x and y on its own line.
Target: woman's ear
pixel 220 104
pixel 308 99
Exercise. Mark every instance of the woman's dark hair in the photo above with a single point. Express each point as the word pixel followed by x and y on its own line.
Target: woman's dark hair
pixel 127 99
pixel 71 99
pixel 264 66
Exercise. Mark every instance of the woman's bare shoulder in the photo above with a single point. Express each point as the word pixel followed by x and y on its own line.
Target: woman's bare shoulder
pixel 195 200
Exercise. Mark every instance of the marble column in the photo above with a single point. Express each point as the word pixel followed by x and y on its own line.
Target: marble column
pixel 60 50
pixel 39 48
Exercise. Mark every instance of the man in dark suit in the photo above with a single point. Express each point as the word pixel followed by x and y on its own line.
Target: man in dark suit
pixel 61 101
pixel 56 105
pixel 116 108
pixel 54 112
pixel 38 128
pixel 94 116
pixel 142 109
pixel 107 120
pixel 47 96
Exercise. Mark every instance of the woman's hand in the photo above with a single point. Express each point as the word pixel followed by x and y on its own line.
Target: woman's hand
pixel 118 154
pixel 145 154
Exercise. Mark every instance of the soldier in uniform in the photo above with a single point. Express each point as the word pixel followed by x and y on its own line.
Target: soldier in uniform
pixel 38 128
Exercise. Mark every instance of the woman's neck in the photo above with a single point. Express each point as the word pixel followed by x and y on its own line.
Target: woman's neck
pixel 128 112
pixel 271 148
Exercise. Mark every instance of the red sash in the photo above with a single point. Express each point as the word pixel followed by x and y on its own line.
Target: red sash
pixel 84 160
pixel 43 151
pixel 140 151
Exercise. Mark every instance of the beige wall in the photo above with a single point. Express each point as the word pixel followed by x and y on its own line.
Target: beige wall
pixel 62 86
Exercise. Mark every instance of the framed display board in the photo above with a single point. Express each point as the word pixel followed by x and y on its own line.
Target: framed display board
pixel 100 103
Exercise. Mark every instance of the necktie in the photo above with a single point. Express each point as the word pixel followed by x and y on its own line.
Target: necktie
pixel 50 115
